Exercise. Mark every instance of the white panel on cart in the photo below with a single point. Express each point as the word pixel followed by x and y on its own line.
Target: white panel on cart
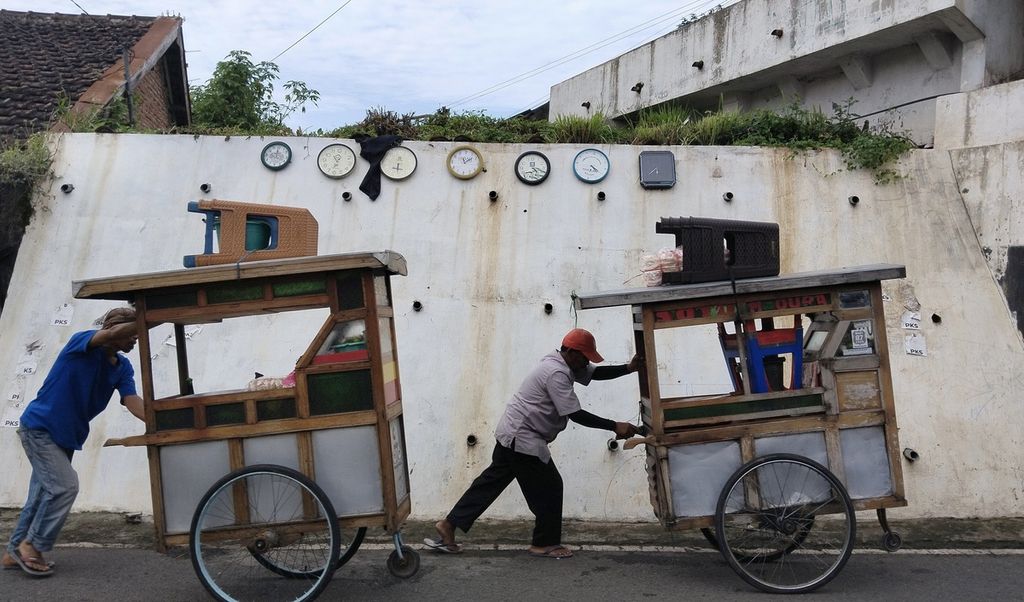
pixel 347 465
pixel 698 473
pixel 865 462
pixel 808 445
pixel 282 450
pixel 186 472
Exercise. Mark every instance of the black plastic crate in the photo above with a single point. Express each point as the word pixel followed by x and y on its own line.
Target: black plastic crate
pixel 753 248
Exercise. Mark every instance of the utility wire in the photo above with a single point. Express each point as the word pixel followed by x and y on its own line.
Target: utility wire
pixel 308 32
pixel 654 22
pixel 80 7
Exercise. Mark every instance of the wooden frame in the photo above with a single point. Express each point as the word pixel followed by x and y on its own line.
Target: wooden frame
pixel 841 387
pixel 352 287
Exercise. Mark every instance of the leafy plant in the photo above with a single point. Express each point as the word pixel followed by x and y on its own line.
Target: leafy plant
pixel 241 95
pixel 571 129
pixel 24 164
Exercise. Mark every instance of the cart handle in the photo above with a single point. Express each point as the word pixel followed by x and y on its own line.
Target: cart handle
pixel 631 443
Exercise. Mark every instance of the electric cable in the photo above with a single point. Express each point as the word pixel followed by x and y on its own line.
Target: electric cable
pixel 347 2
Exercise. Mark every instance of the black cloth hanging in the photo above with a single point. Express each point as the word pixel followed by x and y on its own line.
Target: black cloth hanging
pixel 373 150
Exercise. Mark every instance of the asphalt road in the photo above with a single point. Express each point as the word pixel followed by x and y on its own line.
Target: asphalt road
pixel 126 575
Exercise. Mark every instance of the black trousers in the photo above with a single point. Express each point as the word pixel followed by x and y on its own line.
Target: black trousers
pixel 541 486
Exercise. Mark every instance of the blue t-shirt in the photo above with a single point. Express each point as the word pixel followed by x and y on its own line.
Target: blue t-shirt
pixel 77 388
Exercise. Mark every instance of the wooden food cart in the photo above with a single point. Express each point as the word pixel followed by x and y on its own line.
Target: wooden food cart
pixel 805 437
pixel 264 483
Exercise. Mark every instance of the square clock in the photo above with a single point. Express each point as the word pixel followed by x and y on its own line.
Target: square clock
pixel 657 169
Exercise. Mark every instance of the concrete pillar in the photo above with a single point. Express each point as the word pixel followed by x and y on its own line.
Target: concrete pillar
pixel 790 88
pixel 935 50
pixel 972 66
pixel 736 102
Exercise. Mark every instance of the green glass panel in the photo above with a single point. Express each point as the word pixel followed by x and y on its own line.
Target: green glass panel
pixel 302 287
pixel 337 392
pixel 226 413
pixel 350 290
pixel 230 293
pixel 182 418
pixel 745 407
pixel 179 299
pixel 275 409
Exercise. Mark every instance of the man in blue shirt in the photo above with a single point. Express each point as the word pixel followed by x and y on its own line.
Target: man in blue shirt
pixel 56 423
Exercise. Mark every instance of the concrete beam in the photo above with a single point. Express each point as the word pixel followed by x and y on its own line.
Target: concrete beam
pixel 961 25
pixel 790 88
pixel 857 69
pixel 935 51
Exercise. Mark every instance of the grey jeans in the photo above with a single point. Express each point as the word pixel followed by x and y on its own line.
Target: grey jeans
pixel 51 491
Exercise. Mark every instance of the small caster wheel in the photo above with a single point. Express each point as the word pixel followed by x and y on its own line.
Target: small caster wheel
pixel 891 541
pixel 407 565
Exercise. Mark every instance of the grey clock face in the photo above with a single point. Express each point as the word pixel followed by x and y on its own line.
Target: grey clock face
pixel 657 169
pixel 276 156
pixel 336 161
pixel 591 165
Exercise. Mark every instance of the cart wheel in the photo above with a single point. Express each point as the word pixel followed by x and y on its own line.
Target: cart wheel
pixel 407 565
pixel 764 521
pixel 264 516
pixel 891 541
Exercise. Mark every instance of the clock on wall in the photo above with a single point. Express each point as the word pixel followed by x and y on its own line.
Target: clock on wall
pixel 398 163
pixel 336 161
pixel 465 162
pixel 276 155
pixel 532 168
pixel 591 165
pixel 657 169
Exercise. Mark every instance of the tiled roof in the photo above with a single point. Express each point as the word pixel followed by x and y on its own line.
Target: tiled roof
pixel 46 56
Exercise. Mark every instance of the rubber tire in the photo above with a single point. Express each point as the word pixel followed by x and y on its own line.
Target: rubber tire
pixel 891 541
pixel 226 481
pixel 404 567
pixel 735 561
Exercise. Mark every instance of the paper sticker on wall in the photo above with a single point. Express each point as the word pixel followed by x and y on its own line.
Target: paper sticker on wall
pixel 190 332
pixel 911 320
pixel 914 344
pixel 27 365
pixel 62 316
pixel 15 390
pixel 11 417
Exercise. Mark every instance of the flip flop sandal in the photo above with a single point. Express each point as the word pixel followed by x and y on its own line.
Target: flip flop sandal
pixel 23 563
pixel 551 553
pixel 439 546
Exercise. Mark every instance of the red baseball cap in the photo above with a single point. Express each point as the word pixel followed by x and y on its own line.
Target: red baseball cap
pixel 582 341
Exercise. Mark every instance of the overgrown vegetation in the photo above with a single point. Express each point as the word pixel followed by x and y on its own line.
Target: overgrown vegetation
pixel 23 164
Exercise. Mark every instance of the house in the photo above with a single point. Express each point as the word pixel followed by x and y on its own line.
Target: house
pixel 53 63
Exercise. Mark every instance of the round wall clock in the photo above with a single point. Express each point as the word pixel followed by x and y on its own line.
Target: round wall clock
pixel 276 155
pixel 465 162
pixel 532 168
pixel 591 165
pixel 336 161
pixel 398 163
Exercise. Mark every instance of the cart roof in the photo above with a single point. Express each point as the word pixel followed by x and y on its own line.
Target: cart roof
pixel 125 288
pixel 656 294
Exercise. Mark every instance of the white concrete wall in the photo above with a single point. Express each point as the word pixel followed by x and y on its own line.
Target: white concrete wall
pixel 985 117
pixel 483 272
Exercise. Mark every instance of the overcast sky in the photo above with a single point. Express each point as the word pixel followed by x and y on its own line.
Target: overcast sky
pixel 408 55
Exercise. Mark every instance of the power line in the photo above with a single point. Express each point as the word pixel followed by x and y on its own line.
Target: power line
pixel 308 32
pixel 80 7
pixel 654 22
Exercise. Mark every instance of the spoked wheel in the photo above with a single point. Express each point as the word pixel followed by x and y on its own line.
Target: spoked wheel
pixel 350 542
pixel 785 524
pixel 264 517
pixel 786 545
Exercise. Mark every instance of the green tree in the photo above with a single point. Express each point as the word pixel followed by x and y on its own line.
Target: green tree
pixel 240 95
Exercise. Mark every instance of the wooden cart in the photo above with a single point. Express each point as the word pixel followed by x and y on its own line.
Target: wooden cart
pixel 807 434
pixel 252 480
